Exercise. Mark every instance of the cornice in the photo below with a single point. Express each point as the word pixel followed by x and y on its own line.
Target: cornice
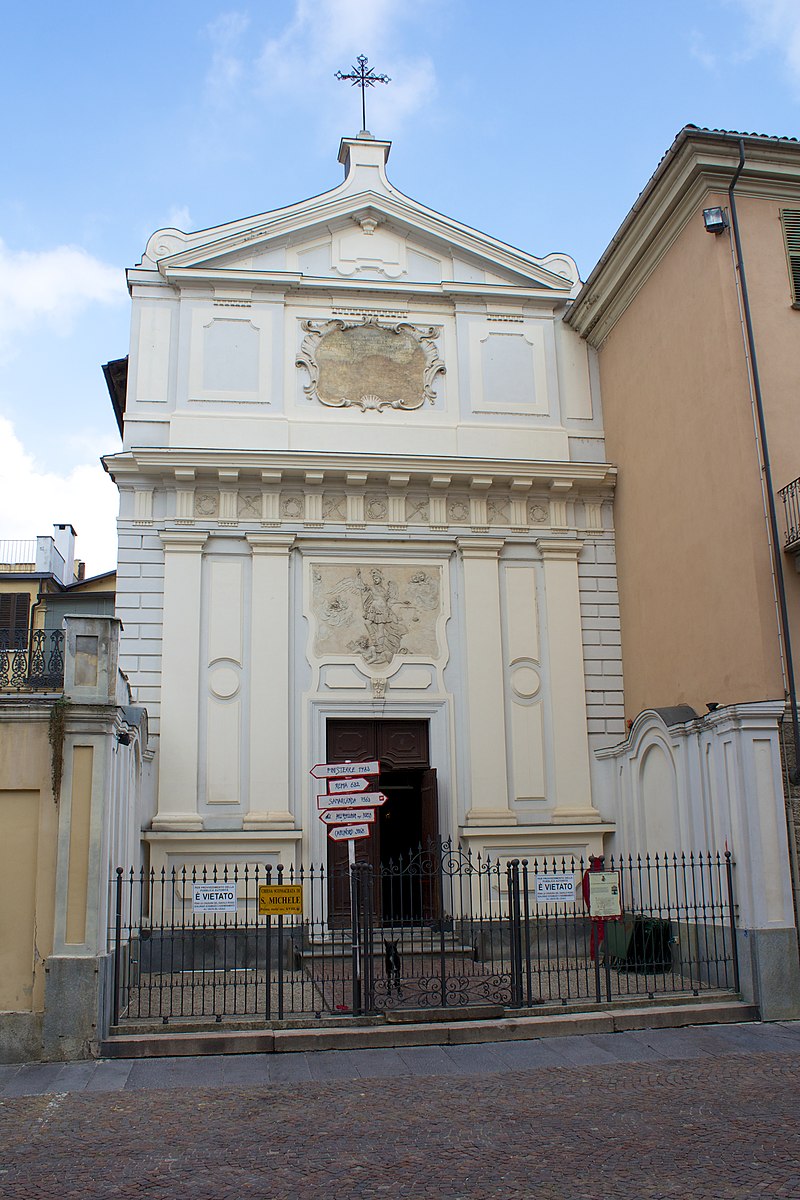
pixel 288 282
pixel 22 706
pixel 518 473
pixel 698 163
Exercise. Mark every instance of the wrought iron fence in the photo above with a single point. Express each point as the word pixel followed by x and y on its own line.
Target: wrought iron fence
pixel 439 928
pixel 791 510
pixel 35 663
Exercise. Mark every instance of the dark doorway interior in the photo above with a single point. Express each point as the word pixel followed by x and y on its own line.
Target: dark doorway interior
pixel 408 820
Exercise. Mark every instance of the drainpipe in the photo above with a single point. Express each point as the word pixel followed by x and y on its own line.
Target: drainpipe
pixel 777 561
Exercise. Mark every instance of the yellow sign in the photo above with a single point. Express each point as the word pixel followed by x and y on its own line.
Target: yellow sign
pixel 605 897
pixel 279 898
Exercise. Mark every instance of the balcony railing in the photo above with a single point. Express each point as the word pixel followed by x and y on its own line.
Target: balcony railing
pixel 32 665
pixel 791 511
pixel 17 556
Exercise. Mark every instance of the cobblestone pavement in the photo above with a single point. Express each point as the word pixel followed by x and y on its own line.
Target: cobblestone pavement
pixel 697 1114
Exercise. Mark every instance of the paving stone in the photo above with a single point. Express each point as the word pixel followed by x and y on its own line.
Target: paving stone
pixel 427 1060
pixel 7 1072
pixel 245 1070
pixel 751 1037
pixel 623 1048
pixel 73 1077
pixel 668 1043
pixel 289 1068
pixel 788 1029
pixel 332 1064
pixel 176 1072
pixel 111 1075
pixel 476 1060
pixel 33 1079
pixel 530 1055
pixel 582 1051
pixel 378 1064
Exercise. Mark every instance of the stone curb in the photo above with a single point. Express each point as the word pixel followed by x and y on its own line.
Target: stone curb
pixel 440 1033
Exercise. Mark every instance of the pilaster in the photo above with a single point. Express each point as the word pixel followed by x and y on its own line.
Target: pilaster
pixel 180 681
pixel 572 792
pixel 269 685
pixel 486 744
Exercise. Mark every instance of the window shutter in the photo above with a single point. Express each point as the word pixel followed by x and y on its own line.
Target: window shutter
pixel 791 233
pixel 14 607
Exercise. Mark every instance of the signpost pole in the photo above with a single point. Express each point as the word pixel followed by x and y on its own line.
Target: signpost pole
pixel 354 931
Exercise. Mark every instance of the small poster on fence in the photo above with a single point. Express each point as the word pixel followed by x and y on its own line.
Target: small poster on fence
pixel 605 895
pixel 559 885
pixel 214 897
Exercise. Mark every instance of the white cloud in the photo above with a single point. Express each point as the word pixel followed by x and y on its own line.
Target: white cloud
pixel 775 25
pixel 51 287
pixel 698 48
pixel 321 37
pixel 32 500
pixel 227 67
pixel 179 217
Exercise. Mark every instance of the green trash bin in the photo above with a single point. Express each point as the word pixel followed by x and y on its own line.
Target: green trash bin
pixel 639 943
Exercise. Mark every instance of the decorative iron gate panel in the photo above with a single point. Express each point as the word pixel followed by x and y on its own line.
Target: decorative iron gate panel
pixel 439 928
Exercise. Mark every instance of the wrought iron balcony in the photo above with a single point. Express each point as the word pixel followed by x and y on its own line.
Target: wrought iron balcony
pixel 791 511
pixel 17 556
pixel 32 665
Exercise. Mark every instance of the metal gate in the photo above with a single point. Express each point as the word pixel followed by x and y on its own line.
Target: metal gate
pixel 438 928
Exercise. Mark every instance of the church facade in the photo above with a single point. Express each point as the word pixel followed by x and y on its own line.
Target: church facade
pixel 365 513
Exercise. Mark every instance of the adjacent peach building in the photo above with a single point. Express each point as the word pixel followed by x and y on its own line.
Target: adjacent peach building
pixel 698 597
pixel 693 311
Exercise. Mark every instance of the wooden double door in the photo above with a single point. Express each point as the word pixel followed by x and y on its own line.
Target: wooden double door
pixel 409 818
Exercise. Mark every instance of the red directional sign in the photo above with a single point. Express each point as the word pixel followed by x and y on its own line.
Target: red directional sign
pixel 348 816
pixel 345 770
pixel 351 800
pixel 347 833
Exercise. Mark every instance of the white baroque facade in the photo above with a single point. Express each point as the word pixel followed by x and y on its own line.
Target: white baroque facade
pixel 364 496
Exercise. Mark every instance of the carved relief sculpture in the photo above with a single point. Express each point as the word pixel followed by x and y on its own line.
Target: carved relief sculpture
pixel 370 365
pixel 376 613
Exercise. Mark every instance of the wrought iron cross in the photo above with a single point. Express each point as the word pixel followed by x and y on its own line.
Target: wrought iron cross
pixel 363 76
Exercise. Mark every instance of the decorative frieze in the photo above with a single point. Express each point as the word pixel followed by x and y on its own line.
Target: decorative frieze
pixel 361 500
pixel 358 507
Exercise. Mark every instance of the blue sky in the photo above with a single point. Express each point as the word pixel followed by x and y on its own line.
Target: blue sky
pixel 538 123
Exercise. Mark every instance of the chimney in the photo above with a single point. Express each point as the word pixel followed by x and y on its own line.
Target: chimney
pixel 64 541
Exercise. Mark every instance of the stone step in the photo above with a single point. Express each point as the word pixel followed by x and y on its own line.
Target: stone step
pixel 418 949
pixel 443 1030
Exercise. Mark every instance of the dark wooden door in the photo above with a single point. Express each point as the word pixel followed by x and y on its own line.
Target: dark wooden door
pixel 402 748
pixel 347 741
pixel 432 884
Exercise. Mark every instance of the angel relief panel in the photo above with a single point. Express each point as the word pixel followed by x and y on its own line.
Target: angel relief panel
pixel 376 613
pixel 370 365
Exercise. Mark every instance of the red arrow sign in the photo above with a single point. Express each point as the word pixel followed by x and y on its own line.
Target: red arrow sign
pixel 348 816
pixel 347 833
pixel 345 770
pixel 351 800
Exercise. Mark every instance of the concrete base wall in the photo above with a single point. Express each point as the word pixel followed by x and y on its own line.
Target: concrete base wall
pixel 20 1037
pixel 769 972
pixel 77 1007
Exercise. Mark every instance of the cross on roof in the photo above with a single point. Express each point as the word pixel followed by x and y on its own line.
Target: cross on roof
pixel 363 76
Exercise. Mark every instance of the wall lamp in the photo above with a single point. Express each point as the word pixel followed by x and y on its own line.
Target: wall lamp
pixel 715 220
